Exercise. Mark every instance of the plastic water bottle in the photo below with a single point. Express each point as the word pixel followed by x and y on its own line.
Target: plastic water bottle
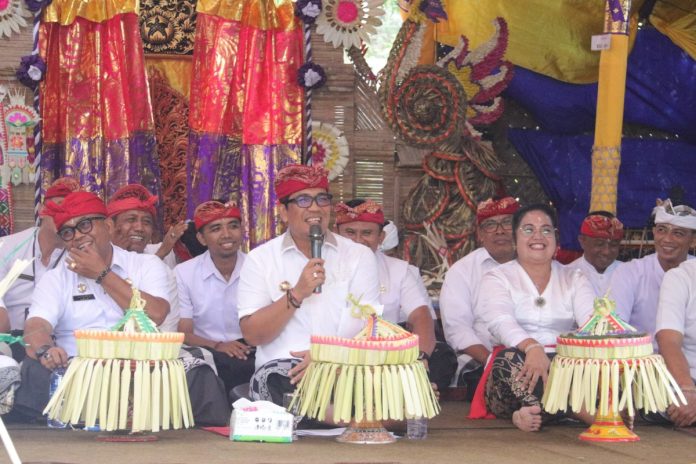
pixel 417 428
pixel 56 377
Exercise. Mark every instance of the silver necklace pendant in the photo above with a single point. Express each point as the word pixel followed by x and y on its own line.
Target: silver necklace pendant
pixel 540 301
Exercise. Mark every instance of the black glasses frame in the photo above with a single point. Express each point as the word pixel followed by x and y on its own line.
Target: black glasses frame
pixel 305 201
pixel 84 225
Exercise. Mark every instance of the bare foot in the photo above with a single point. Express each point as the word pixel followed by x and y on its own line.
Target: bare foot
pixel 527 418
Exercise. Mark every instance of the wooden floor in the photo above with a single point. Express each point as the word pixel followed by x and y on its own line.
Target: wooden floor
pixel 452 439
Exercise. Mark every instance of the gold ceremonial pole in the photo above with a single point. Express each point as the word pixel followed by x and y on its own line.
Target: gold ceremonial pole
pixel 606 152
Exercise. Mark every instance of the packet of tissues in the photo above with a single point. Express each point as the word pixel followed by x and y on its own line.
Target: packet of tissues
pixel 260 421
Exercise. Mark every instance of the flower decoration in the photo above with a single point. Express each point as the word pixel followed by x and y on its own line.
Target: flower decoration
pixel 37 5
pixel 311 76
pixel 31 70
pixel 329 148
pixel 308 10
pixel 348 22
pixel 12 14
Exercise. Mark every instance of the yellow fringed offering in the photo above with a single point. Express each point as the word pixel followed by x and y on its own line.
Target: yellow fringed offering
pixel 114 370
pixel 608 362
pixel 375 376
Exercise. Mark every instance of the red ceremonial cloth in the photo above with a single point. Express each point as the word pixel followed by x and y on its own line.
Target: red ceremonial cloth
pixel 298 177
pixel 491 207
pixel 365 212
pixel 212 211
pixel 62 187
pixel 599 226
pixel 74 205
pixel 478 408
pixel 132 197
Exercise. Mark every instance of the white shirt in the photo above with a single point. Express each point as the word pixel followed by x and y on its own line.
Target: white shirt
pixel 600 282
pixel 171 322
pixel 458 299
pixel 351 268
pixel 635 286
pixel 69 301
pixel 676 309
pixel 25 244
pixel 401 288
pixel 208 299
pixel 507 303
pixel 169 259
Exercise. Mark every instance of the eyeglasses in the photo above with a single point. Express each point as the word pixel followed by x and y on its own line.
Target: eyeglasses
pixel 491 226
pixel 528 230
pixel 305 201
pixel 84 226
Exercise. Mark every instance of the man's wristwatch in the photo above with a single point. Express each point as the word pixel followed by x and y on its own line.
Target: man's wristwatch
pixel 42 351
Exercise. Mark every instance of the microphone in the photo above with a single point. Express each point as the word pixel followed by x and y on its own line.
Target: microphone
pixel 316 240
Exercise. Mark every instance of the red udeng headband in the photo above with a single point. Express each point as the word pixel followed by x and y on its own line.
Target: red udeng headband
pixel 366 212
pixel 212 211
pixel 602 227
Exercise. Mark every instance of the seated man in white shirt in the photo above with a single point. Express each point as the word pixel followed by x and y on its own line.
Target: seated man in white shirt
pixel 676 336
pixel 285 295
pixel 464 332
pixel 90 290
pixel 635 285
pixel 133 213
pixel 45 248
pixel 600 238
pixel 208 293
pixel 133 210
pixel 402 292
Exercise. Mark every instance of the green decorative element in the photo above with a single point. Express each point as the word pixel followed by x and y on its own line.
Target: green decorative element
pixel 605 321
pixel 136 319
pixel 141 319
pixel 9 339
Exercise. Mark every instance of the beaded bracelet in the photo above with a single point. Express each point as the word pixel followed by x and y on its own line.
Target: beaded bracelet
pixel 101 276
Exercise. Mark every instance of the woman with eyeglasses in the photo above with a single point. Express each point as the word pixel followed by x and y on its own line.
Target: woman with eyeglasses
pixel 526 303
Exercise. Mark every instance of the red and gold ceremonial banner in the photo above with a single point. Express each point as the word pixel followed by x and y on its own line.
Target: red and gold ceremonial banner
pixel 245 107
pixel 95 104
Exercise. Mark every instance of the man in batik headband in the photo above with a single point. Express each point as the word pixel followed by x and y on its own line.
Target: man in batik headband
pixel 465 332
pixel 208 293
pixel 133 210
pixel 91 288
pixel 402 292
pixel 636 285
pixel 600 238
pixel 40 244
pixel 286 296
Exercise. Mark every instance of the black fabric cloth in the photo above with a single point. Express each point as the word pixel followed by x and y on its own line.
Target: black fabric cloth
pixel 503 393
pixel 18 350
pixel 32 395
pixel 442 365
pixel 234 371
pixel 470 380
pixel 209 402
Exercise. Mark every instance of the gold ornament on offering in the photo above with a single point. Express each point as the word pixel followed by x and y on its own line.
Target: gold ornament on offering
pixel 373 377
pixel 131 364
pixel 608 362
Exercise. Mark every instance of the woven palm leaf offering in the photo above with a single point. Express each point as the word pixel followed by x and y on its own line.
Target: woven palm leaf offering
pixel 132 368
pixel 373 377
pixel 605 367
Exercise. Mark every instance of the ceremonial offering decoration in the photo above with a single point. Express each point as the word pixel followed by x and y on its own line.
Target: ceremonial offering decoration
pixel 130 366
pixel 373 377
pixel 329 148
pixel 12 14
pixel 609 362
pixel 348 22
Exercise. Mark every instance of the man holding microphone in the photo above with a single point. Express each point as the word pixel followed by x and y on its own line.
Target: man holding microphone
pixel 286 294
